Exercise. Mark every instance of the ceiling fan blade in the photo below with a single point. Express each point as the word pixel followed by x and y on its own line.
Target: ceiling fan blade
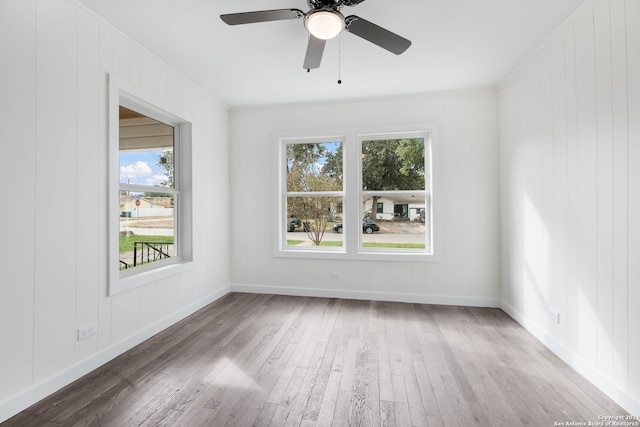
pixel 376 34
pixel 261 16
pixel 315 48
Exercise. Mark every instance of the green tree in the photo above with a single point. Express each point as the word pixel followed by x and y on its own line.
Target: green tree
pixel 315 214
pixel 411 154
pixel 306 173
pixel 166 162
pixel 392 164
pixel 333 166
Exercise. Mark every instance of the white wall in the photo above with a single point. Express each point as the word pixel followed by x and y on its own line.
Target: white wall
pixel 54 60
pixel 468 272
pixel 570 191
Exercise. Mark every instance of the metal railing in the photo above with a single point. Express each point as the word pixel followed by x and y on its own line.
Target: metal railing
pixel 146 252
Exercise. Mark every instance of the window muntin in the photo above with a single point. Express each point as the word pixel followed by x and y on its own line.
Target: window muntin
pixel 313 194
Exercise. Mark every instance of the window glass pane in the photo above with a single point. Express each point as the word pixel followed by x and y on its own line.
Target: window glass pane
pixel 314 166
pixel 393 164
pixel 146 150
pixel 147 228
pixel 314 221
pixel 403 225
pixel 394 177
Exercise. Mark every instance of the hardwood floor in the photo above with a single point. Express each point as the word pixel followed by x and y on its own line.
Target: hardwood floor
pixel 269 360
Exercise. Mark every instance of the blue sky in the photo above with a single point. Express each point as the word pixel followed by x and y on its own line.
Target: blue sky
pixel 141 167
pixel 329 146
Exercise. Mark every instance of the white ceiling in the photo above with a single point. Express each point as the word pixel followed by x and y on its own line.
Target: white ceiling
pixel 457 44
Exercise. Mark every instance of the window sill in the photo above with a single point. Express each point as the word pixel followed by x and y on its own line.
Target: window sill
pixel 357 256
pixel 123 283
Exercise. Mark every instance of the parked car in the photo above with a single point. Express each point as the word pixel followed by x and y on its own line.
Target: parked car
pixel 368 227
pixel 294 223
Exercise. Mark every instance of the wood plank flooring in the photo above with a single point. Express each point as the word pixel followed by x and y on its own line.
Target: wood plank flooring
pixel 265 360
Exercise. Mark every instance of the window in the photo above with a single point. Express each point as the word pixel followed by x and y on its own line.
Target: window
pixel 148 194
pixel 150 204
pixel 313 194
pixel 357 195
pixel 395 169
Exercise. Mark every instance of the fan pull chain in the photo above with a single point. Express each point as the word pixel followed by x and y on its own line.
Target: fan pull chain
pixel 339 58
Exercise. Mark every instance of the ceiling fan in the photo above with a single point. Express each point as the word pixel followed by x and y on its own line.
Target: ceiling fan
pixel 324 21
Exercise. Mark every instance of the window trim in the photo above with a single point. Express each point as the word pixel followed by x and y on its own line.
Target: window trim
pixel 129 96
pixel 351 138
pixel 283 193
pixel 422 134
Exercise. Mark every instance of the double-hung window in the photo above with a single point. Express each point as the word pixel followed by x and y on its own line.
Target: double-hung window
pixel 150 197
pixel 312 193
pixel 395 172
pixel 357 194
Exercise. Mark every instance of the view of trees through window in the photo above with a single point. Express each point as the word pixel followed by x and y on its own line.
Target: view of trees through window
pixel 393 192
pixel 314 191
pixel 393 202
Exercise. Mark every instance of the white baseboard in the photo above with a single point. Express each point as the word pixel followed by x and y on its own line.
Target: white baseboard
pixel 39 391
pixel 375 296
pixel 623 398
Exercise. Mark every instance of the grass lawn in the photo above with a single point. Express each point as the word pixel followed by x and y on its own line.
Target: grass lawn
pixel 394 245
pixel 331 243
pixel 365 245
pixel 126 242
pixel 324 243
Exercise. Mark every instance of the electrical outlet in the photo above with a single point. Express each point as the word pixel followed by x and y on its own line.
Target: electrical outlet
pixel 556 317
pixel 336 275
pixel 87 331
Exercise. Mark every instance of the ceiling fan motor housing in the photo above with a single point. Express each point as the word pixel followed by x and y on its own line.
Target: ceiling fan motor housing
pixel 324 23
pixel 314 4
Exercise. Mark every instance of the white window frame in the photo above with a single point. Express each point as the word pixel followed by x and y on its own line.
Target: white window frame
pixel 426 137
pixel 131 97
pixel 352 193
pixel 283 193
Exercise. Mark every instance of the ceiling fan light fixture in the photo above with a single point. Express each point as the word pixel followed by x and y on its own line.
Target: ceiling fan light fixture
pixel 324 24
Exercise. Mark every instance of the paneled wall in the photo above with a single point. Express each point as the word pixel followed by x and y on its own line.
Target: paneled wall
pixel 54 61
pixel 468 269
pixel 570 191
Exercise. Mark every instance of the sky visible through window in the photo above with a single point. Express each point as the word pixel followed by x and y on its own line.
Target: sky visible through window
pixel 141 167
pixel 331 148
